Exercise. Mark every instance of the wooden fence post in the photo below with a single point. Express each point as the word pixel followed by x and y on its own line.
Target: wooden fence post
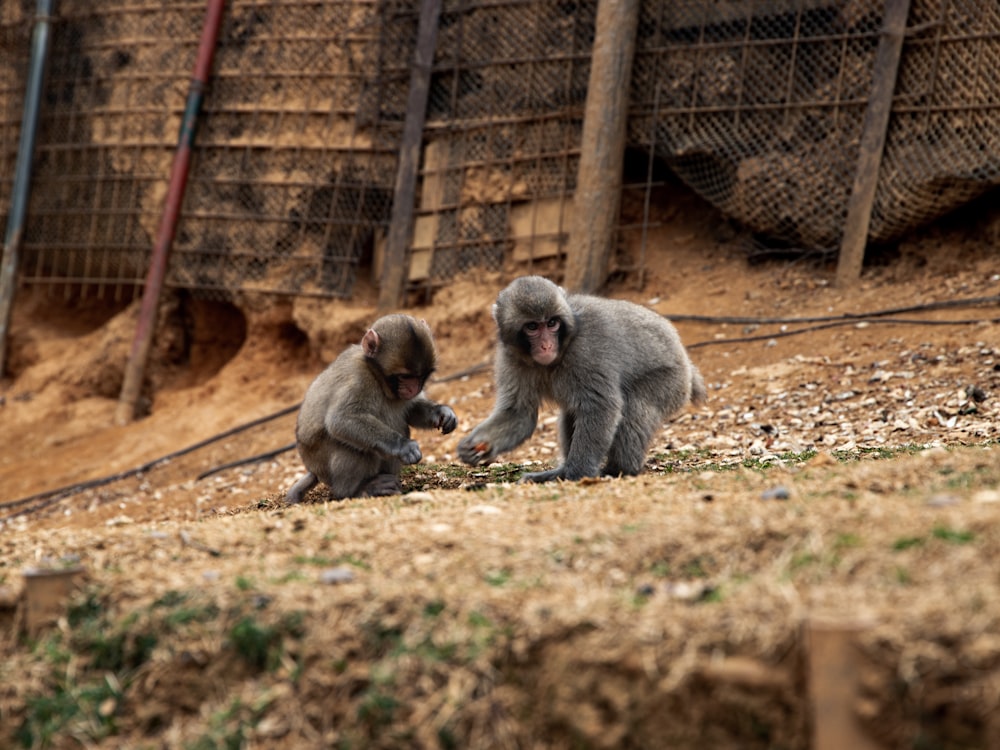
pixel 859 206
pixel 394 269
pixel 599 176
pixel 835 664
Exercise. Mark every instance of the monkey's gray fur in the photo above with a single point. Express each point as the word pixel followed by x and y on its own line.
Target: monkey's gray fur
pixel 353 428
pixel 619 371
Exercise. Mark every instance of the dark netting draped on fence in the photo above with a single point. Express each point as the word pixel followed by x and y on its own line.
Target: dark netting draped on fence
pixel 758 105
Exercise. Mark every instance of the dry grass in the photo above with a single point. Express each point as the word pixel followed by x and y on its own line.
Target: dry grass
pixel 598 614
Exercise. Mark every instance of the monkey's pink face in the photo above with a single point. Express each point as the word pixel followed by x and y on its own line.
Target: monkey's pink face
pixel 409 386
pixel 543 336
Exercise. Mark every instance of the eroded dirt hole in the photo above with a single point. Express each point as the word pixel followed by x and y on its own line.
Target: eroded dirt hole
pixel 195 339
pixel 43 315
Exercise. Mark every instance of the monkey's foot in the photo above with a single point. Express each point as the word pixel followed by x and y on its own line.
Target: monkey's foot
pixel 381 485
pixel 542 476
pixel 298 490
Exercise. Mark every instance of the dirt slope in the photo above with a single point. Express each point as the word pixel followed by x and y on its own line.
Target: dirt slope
pixel 850 471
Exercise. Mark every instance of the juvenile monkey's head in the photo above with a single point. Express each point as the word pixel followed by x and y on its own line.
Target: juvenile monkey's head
pixel 400 349
pixel 534 319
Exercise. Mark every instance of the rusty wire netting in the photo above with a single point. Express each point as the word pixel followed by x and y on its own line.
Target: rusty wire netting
pixel 295 160
pixel 501 143
pixel 759 106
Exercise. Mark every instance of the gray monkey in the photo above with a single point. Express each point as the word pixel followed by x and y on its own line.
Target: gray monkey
pixel 353 428
pixel 616 370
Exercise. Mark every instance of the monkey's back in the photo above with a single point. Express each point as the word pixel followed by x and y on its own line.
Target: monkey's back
pixel 347 387
pixel 629 332
pixel 632 349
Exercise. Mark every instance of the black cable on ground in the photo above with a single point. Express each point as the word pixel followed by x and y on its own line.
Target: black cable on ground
pixel 850 317
pixel 51 497
pixel 838 324
pixel 248 460
pixel 462 373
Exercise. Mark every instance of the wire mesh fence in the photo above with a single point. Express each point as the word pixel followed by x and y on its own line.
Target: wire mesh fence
pixel 502 136
pixel 758 106
pixel 295 154
pixel 943 145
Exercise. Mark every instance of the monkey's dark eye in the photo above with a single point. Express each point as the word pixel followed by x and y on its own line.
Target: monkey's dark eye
pixel 532 326
pixel 552 323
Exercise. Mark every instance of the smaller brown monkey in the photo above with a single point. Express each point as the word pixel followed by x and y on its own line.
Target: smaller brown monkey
pixel 353 428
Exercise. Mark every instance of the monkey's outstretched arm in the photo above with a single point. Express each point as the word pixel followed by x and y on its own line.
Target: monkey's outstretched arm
pixel 428 415
pixel 366 432
pixel 513 420
pixel 504 430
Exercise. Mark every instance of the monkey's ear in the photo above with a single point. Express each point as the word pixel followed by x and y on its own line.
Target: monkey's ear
pixel 370 343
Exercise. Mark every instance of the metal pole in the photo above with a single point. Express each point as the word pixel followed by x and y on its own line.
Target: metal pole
pixel 146 326
pixel 602 146
pixel 859 206
pixel 393 281
pixel 22 171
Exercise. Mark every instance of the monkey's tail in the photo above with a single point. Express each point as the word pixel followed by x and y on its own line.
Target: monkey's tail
pixel 699 393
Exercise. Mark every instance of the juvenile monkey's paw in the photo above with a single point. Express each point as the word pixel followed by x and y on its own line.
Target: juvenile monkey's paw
pixel 410 452
pixel 446 419
pixel 381 485
pixel 473 451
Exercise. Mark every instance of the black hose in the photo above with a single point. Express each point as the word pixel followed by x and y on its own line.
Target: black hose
pixel 248 460
pixel 53 496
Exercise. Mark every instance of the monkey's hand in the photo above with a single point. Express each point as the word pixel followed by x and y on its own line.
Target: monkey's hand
pixel 445 419
pixel 474 450
pixel 409 452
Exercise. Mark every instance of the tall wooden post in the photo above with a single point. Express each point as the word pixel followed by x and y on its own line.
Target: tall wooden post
pixel 859 207
pixel 835 667
pixel 393 280
pixel 599 176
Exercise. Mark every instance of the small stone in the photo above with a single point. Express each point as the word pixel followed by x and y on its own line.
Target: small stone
pixel 778 492
pixel 941 501
pixel 418 497
pixel 107 707
pixel 976 393
pixel 336 575
pixel 688 591
pixel 987 496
